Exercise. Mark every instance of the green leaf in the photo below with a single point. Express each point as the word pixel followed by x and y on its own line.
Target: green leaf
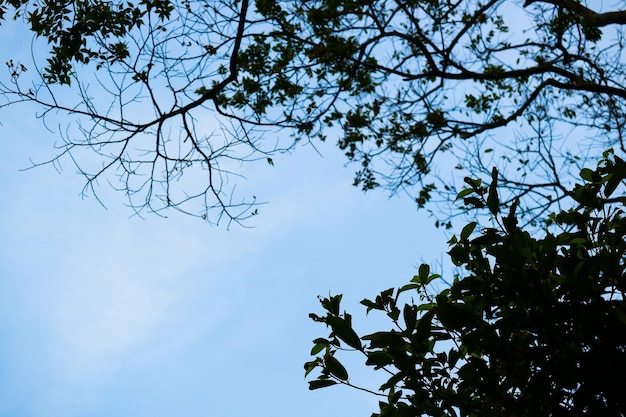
pixel 424 276
pixel 409 314
pixel 344 331
pixel 424 272
pixel 615 177
pixel 464 192
pixel 408 287
pixel 317 348
pixel 467 230
pixel 586 174
pixel 309 366
pixel 394 396
pixel 321 383
pixel 335 367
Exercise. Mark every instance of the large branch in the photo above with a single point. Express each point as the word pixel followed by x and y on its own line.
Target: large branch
pixel 590 17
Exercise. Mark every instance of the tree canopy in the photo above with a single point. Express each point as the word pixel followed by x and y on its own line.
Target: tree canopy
pixel 410 89
pixel 530 327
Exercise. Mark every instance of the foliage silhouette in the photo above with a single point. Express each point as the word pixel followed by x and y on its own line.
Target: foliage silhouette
pixel 164 92
pixel 534 326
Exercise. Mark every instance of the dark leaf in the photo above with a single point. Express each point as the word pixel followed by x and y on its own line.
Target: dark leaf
pixel 586 174
pixel 318 347
pixel 379 359
pixel 344 331
pixel 467 230
pixel 463 193
pixel 493 201
pixel 321 383
pixel 335 367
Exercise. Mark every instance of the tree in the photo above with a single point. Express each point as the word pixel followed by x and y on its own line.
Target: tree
pixel 533 327
pixel 166 91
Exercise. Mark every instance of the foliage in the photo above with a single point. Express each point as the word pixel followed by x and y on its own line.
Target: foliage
pixel 535 327
pixel 163 88
pixel 492 83
pixel 69 25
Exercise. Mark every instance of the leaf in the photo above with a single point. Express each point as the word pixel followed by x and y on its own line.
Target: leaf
pixel 393 381
pixel 474 183
pixel 487 239
pixel 463 193
pixel 321 383
pixel 473 201
pixel 586 174
pixel 393 398
pixel 425 281
pixel 335 367
pixel 371 305
pixel 385 339
pixel 467 230
pixel 493 201
pixel 616 177
pixel 378 359
pixel 453 357
pixel 410 317
pixel 408 287
pixel 309 366
pixel 332 304
pixel 424 272
pixel 455 316
pixel 458 255
pixel 317 348
pixel 344 331
pixel 510 221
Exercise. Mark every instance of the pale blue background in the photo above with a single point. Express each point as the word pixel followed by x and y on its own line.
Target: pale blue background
pixel 105 314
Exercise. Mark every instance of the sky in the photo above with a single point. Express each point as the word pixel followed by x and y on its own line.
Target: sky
pixel 103 313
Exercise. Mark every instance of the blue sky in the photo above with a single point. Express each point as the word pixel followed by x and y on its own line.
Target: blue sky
pixel 103 313
pixel 106 314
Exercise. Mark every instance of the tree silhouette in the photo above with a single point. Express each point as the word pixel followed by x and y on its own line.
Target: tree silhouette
pixel 531 326
pixel 173 96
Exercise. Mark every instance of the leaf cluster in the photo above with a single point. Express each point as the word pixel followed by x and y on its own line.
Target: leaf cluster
pixel 408 90
pixel 405 82
pixel 71 26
